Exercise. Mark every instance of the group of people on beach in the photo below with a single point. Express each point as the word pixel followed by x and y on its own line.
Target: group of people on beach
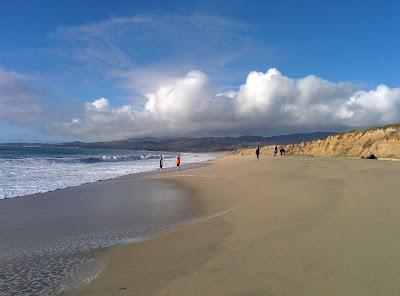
pixel 177 160
pixel 281 150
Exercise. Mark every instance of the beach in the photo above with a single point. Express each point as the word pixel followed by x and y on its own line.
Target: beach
pixel 199 148
pixel 50 242
pixel 274 226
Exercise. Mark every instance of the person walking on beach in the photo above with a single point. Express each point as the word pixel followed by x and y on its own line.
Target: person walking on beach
pixel 161 163
pixel 276 150
pixel 178 162
pixel 258 152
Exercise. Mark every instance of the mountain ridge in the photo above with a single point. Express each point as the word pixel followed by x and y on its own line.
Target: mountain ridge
pixel 185 144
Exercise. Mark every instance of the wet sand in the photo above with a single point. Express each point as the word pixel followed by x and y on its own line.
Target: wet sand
pixel 49 242
pixel 301 226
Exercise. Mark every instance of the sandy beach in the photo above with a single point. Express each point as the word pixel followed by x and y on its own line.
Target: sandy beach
pixel 286 226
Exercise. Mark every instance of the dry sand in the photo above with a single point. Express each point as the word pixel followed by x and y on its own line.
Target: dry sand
pixel 302 226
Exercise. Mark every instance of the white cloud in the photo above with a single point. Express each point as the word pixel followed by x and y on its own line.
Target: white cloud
pixel 100 104
pixel 18 100
pixel 267 103
pixel 380 106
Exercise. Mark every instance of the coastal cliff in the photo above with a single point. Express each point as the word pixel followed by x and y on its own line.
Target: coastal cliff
pixel 382 142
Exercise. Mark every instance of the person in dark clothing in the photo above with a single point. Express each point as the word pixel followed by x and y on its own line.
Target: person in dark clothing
pixel 276 150
pixel 161 163
pixel 371 156
pixel 258 152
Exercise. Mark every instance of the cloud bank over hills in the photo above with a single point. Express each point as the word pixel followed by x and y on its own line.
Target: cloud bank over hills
pixel 267 103
pixel 190 74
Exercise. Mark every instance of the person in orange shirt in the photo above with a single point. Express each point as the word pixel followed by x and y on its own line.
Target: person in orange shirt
pixel 178 161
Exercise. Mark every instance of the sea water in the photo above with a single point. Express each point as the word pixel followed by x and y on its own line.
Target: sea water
pixel 28 169
pixel 49 243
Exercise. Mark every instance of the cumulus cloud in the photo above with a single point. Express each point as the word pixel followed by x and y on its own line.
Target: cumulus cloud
pixel 18 100
pixel 100 104
pixel 377 106
pixel 267 103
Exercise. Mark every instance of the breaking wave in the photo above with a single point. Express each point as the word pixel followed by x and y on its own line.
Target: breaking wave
pixel 29 170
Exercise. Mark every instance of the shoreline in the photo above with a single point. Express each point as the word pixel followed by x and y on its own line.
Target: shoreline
pixel 302 226
pixel 73 225
pixel 210 212
pixel 131 175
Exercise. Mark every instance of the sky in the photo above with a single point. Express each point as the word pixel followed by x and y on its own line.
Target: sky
pixel 108 70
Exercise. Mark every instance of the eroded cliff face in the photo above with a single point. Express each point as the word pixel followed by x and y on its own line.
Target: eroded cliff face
pixel 382 142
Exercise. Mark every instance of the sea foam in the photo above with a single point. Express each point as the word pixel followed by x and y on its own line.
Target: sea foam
pixel 29 170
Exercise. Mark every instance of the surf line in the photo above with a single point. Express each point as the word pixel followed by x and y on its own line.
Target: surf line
pixel 175 226
pixel 199 176
pixel 212 216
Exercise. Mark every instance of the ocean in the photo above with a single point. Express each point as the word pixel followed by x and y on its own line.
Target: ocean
pixel 52 241
pixel 27 169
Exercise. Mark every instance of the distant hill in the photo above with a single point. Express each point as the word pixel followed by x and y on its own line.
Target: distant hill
pixel 381 141
pixel 205 144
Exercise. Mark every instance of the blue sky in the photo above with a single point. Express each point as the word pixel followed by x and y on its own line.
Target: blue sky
pixel 141 61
